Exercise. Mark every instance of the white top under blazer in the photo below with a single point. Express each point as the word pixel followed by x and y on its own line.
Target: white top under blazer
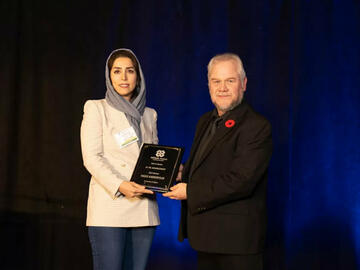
pixel 110 165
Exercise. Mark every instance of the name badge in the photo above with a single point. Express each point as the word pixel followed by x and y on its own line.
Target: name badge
pixel 126 137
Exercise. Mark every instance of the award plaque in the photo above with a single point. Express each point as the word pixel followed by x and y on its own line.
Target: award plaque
pixel 157 166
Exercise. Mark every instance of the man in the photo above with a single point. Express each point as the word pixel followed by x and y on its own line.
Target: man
pixel 224 180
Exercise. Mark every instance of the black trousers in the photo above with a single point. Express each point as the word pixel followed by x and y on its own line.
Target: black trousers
pixel 214 261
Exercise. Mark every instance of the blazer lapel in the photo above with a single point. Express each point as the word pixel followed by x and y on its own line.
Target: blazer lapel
pixel 224 129
pixel 201 132
pixel 220 133
pixel 198 135
pixel 118 119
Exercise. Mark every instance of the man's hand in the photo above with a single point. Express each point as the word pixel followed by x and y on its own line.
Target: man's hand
pixel 178 192
pixel 178 177
pixel 132 189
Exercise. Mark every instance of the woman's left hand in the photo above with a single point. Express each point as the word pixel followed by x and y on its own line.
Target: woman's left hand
pixel 132 189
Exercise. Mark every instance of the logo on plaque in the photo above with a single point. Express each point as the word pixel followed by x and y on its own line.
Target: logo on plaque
pixel 157 166
pixel 160 153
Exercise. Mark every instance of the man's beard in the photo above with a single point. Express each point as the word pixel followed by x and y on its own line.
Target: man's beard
pixel 229 107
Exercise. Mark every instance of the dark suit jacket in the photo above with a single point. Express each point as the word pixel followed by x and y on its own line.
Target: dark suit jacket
pixel 225 210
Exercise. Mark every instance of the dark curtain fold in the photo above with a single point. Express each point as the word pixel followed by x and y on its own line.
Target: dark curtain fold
pixel 302 61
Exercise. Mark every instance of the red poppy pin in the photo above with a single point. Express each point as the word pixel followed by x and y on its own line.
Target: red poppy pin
pixel 229 123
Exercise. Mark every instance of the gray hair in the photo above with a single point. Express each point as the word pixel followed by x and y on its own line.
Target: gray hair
pixel 226 57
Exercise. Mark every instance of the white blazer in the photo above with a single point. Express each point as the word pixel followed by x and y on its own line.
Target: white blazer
pixel 110 165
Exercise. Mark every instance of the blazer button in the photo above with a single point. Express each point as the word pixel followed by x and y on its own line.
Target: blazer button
pixel 123 165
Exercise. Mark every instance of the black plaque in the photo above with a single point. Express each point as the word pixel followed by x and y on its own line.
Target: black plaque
pixel 157 166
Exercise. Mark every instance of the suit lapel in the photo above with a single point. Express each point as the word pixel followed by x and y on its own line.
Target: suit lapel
pixel 198 135
pixel 201 132
pixel 220 133
pixel 224 129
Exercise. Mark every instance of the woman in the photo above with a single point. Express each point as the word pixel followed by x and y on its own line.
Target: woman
pixel 121 222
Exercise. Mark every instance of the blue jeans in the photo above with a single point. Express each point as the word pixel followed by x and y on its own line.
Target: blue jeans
pixel 116 248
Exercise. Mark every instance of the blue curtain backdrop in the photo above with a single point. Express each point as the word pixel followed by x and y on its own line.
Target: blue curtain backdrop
pixel 303 65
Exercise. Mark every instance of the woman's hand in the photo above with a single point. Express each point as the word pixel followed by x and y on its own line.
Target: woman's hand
pixel 132 189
